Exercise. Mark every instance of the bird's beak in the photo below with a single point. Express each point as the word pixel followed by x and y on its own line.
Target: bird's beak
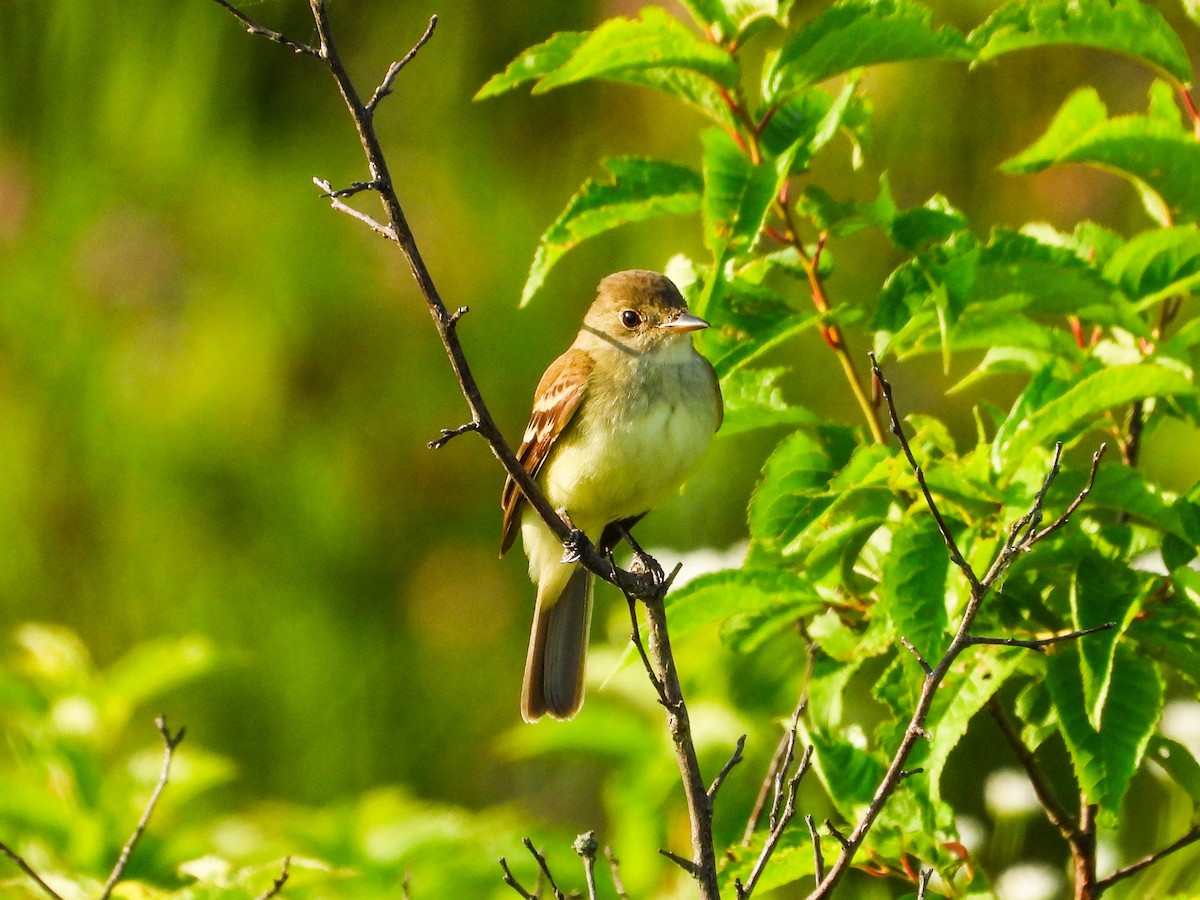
pixel 684 322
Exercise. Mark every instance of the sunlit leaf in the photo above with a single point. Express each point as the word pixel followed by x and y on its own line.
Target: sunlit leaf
pixel 1128 27
pixel 1052 414
pixel 534 63
pixel 1151 150
pixel 855 33
pixel 637 189
pixel 753 400
pixel 1106 758
pixel 1178 762
pixel 1102 591
pixel 717 596
pixel 913 586
pixel 1157 264
pixel 656 40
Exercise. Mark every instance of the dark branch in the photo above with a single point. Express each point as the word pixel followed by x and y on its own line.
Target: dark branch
pixel 336 202
pixel 1056 813
pixel 541 861
pixel 254 28
pixel 955 555
pixel 170 742
pixel 512 882
pixel 1040 644
pixel 279 882
pixel 449 434
pixel 29 870
pixel 385 86
pixel 923 883
pixel 818 858
pixel 908 645
pixel 727 768
pixel 1190 837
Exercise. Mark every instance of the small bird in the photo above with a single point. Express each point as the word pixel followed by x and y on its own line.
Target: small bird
pixel 618 423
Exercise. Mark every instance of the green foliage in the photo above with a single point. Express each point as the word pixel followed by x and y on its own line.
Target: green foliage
pixel 845 558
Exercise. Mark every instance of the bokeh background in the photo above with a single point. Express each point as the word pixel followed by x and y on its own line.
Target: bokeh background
pixel 216 393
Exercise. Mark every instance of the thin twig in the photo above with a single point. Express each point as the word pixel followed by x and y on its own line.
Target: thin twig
pixel 170 742
pixel 909 646
pixel 818 858
pixel 512 882
pixel 449 434
pixel 279 882
pixel 636 637
pixel 779 818
pixel 254 28
pixel 29 870
pixel 1191 836
pixel 586 846
pixel 335 201
pixel 1056 813
pixel 1039 645
pixel 923 883
pixel 955 554
pixel 614 870
pixel 541 861
pixel 765 789
pixel 385 86
pixel 727 768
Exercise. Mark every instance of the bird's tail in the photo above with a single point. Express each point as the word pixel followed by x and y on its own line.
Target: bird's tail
pixel 554 666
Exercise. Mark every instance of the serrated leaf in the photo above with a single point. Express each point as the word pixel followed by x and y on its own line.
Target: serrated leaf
pixel 1157 264
pixel 913 586
pixel 1101 591
pixel 1105 759
pixel 719 596
pixel 637 189
pixel 855 33
pixel 850 773
pixel 534 63
pixel 737 195
pixel 1127 27
pixel 794 479
pixel 1052 416
pixel 753 400
pixel 1151 150
pixel 656 40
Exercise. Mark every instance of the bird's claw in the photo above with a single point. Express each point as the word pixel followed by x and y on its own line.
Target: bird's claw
pixel 646 565
pixel 573 546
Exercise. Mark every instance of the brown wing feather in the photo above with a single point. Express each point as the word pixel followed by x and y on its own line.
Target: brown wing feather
pixel 557 398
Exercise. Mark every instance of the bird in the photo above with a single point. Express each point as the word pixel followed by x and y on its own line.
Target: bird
pixel 618 423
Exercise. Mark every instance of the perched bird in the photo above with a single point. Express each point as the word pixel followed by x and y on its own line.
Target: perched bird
pixel 618 422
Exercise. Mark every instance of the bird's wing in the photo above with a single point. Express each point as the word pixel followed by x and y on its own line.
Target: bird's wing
pixel 558 396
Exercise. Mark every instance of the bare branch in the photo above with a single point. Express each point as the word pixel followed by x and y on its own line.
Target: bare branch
pixel 837 835
pixel 955 554
pixel 727 768
pixel 908 645
pixel 335 201
pixel 254 28
pixel 636 637
pixel 1039 645
pixel 541 861
pixel 686 864
pixel 781 817
pixel 170 742
pixel 512 882
pixel 923 883
pixel 818 858
pixel 1191 836
pixel 1056 813
pixel 585 845
pixel 279 882
pixel 614 868
pixel 449 434
pixel 29 870
pixel 385 86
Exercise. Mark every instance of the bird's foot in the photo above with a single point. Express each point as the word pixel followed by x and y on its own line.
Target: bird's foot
pixel 574 544
pixel 643 562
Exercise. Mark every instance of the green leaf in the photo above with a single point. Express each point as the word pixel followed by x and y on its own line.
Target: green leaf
pixel 1049 416
pixel 791 492
pixel 855 33
pixel 913 586
pixel 1102 591
pixel 719 596
pixel 637 189
pixel 1128 27
pixel 1153 151
pixel 1157 264
pixel 654 41
pixel 1105 759
pixel 1178 762
pixel 850 774
pixel 737 196
pixel 534 63
pixel 753 401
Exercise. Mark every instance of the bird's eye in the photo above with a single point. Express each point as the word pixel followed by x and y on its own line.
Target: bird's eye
pixel 630 319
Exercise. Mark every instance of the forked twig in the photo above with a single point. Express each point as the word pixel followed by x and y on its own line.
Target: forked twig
pixel 170 742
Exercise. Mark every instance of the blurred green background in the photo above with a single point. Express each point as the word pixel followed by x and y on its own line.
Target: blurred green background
pixel 216 393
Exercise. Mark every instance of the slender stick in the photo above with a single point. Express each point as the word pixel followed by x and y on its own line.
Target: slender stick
pixel 29 870
pixel 170 742
pixel 1191 836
